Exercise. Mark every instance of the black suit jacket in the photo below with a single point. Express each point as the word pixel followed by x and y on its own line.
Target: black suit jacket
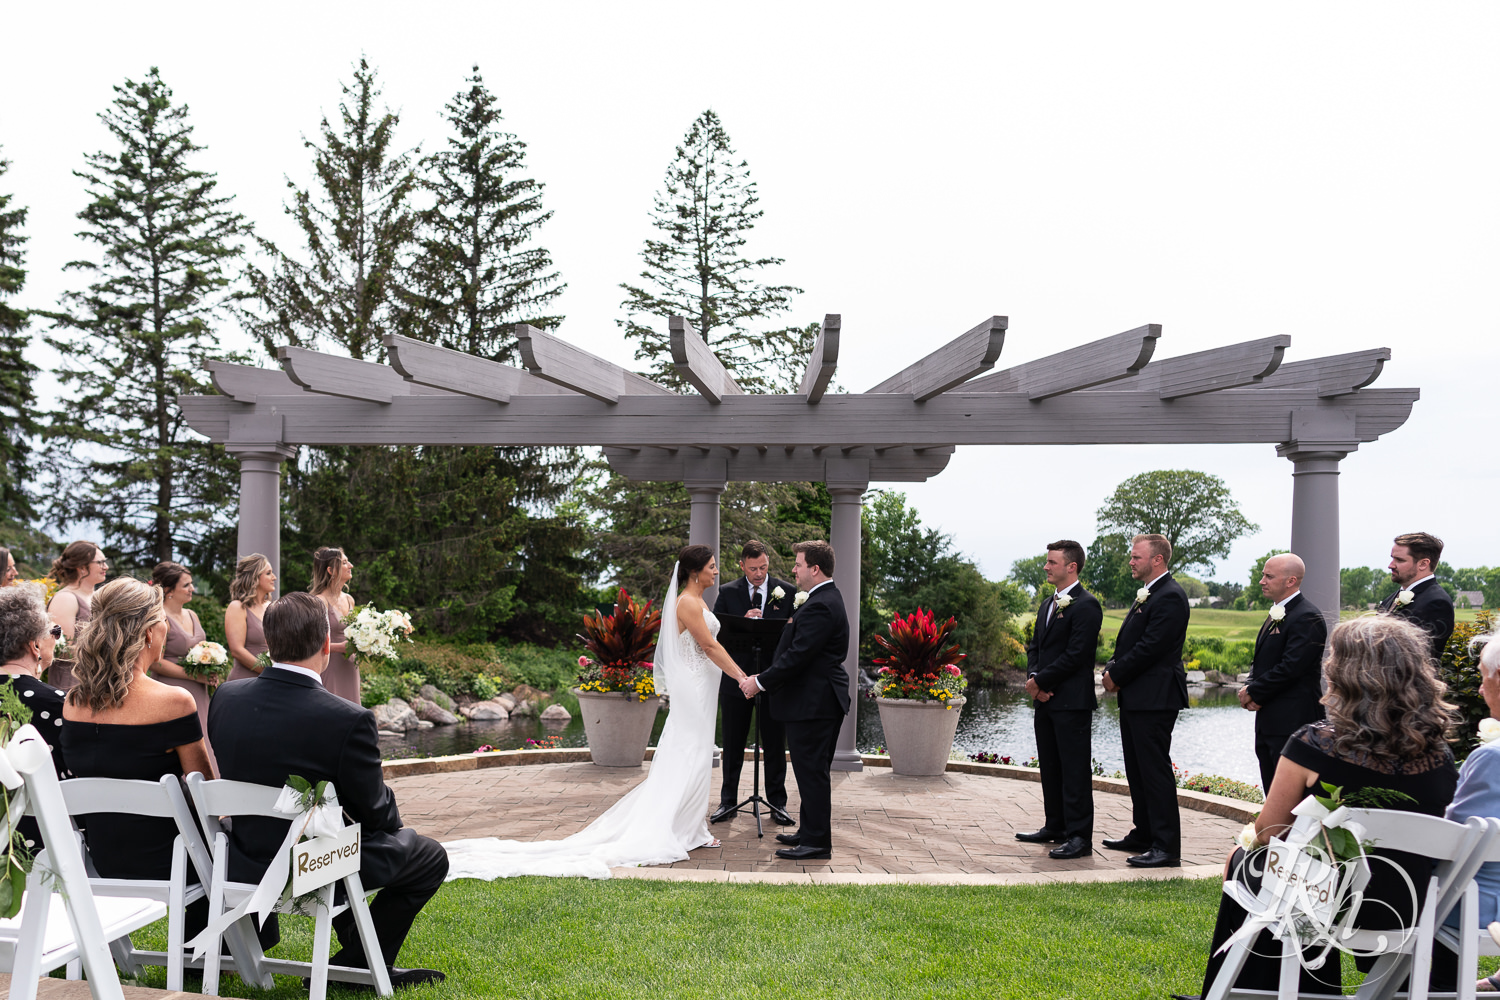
pixel 1286 677
pixel 734 599
pixel 1061 652
pixel 280 723
pixel 807 673
pixel 1431 608
pixel 1148 651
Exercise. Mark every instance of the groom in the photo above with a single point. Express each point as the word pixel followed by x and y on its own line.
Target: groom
pixel 812 696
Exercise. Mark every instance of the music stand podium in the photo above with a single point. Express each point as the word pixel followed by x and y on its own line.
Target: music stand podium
pixel 752 640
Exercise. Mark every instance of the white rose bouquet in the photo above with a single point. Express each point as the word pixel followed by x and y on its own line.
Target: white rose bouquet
pixel 376 633
pixel 207 661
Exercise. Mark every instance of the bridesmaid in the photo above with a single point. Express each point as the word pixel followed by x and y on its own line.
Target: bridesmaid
pixel 332 571
pixel 249 595
pixel 80 569
pixel 184 631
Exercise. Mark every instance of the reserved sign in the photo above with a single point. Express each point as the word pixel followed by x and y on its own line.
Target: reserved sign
pixel 322 860
pixel 1291 871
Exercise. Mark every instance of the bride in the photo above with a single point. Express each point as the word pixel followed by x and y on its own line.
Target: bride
pixel 664 817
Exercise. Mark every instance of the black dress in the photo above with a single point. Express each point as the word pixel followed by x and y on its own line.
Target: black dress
pixel 45 702
pixel 1430 780
pixel 125 846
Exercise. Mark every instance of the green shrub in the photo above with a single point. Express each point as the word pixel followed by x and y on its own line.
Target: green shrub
pixel 211 613
pixel 485 686
pixel 1460 671
pixel 1217 784
pixel 1230 656
pixel 542 668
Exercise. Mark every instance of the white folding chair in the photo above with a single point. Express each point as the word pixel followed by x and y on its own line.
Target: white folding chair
pixel 1469 940
pixel 1457 850
pixel 214 800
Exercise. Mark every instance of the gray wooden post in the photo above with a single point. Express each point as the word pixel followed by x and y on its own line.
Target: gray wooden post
pixel 260 501
pixel 1320 441
pixel 844 532
pixel 703 523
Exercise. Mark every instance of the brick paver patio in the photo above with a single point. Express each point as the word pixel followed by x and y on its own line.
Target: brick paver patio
pixel 955 828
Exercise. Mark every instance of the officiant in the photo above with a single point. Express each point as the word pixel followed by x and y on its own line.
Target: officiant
pixel 757 594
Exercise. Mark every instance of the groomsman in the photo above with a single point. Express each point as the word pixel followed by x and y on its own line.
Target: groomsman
pixel 757 594
pixel 1060 680
pixel 1286 680
pixel 1420 600
pixel 1147 673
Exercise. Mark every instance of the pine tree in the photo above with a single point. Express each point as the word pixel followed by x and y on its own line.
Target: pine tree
pixel 358 229
pixel 697 270
pixel 18 421
pixel 478 269
pixel 142 331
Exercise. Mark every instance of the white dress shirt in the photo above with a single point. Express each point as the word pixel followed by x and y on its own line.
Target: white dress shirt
pixel 300 670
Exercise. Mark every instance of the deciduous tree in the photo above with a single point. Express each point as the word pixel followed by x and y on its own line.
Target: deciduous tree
pixel 1194 510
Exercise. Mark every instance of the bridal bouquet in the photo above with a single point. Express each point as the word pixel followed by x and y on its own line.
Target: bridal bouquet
pixel 376 633
pixel 623 645
pixel 917 665
pixel 207 661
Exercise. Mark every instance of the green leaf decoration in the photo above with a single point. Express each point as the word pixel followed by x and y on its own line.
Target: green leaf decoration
pixel 299 783
pixel 1379 798
pixel 12 888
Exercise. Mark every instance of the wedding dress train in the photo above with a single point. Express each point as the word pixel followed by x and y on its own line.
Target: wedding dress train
pixel 661 819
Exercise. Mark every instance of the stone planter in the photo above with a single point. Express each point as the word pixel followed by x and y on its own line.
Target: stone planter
pixel 617 727
pixel 919 734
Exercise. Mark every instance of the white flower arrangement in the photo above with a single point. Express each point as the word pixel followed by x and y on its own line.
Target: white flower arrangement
pixel 375 633
pixel 1405 597
pixel 1489 730
pixel 777 594
pixel 801 597
pixel 207 661
pixel 1246 838
pixel 1278 612
pixel 1063 600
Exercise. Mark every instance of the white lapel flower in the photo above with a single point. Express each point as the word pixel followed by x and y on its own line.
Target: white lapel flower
pixel 1278 612
pixel 777 594
pixel 1489 730
pixel 1142 594
pixel 799 599
pixel 1063 600
pixel 1405 597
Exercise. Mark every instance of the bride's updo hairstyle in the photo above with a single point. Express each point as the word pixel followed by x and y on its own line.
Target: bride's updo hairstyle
pixel 690 560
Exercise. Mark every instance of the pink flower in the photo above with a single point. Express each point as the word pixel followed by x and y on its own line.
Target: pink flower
pixel 583 661
pixel 485 749
pixel 952 669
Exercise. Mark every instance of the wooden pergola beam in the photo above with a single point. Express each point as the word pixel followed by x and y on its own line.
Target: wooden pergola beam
pixel 1084 367
pixel 454 371
pixel 571 367
pixel 696 362
pixel 1335 375
pixel 243 383
pixel 330 375
pixel 824 360
pixel 1213 370
pixel 953 364
pixel 780 465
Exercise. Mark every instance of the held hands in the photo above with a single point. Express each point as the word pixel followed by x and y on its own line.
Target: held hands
pixel 1109 682
pixel 1245 701
pixel 748 687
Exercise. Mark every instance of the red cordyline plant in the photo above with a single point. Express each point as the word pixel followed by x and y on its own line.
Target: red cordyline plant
pixel 623 645
pixel 918 663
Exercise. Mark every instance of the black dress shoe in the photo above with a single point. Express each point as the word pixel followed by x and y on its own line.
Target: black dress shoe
pixel 781 817
pixel 1186 996
pixel 789 839
pixel 1127 844
pixel 1073 847
pixel 415 977
pixel 808 853
pixel 1042 836
pixel 725 810
pixel 1155 858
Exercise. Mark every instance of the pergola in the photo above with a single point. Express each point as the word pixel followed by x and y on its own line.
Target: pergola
pixel 904 429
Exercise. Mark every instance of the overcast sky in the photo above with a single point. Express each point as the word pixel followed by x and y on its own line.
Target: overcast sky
pixel 1327 171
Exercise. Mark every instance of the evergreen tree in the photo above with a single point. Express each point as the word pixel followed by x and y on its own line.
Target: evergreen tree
pixel 17 398
pixel 478 269
pixel 697 269
pixel 358 228
pixel 141 332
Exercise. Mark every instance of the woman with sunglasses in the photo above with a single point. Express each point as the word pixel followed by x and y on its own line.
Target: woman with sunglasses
pixel 26 641
pixel 80 569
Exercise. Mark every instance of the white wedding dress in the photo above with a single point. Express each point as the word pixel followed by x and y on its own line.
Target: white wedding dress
pixel 661 819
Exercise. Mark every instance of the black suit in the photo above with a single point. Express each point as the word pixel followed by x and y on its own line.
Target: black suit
pixel 734 599
pixel 811 691
pixel 1060 657
pixel 1286 679
pixel 1153 689
pixel 1431 608
pixel 283 722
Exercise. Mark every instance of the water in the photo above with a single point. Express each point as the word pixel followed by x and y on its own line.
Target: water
pixel 1215 735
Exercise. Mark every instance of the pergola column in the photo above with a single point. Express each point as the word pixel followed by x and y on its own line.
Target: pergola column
pixel 260 501
pixel 845 532
pixel 1315 454
pixel 703 521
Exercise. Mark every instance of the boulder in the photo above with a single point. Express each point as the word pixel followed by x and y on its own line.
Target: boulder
pixel 1195 677
pixel 508 700
pixel 431 711
pixel 424 724
pixel 526 692
pixel 485 711
pixel 556 714
pixel 396 716
pixel 524 708
pixel 437 697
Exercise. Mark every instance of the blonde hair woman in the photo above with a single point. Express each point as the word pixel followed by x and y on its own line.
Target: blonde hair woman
pixel 118 722
pixel 79 569
pixel 249 595
pixel 332 572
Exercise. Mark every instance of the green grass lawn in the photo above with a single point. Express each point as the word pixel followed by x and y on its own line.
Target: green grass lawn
pixel 1208 622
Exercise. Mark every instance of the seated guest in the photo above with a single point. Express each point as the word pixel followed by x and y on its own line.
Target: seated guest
pixel 26 641
pixel 1386 728
pixel 285 722
pixel 249 592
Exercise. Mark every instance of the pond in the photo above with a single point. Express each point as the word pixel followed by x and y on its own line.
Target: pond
pixel 1214 735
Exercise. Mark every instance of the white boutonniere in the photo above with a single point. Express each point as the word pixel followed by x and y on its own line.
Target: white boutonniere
pixel 777 594
pixel 1277 612
pixel 1141 595
pixel 1405 597
pixel 1063 600
pixel 1489 730
pixel 801 597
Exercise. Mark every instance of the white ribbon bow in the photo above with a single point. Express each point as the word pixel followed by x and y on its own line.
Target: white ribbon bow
pixel 24 754
pixel 325 820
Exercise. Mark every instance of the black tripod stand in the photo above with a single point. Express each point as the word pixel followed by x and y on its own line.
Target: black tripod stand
pixel 749 635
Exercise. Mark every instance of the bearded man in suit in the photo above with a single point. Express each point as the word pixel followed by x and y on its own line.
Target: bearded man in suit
pixel 1286 680
pixel 1148 677
pixel 757 595
pixel 1060 680
pixel 1421 600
